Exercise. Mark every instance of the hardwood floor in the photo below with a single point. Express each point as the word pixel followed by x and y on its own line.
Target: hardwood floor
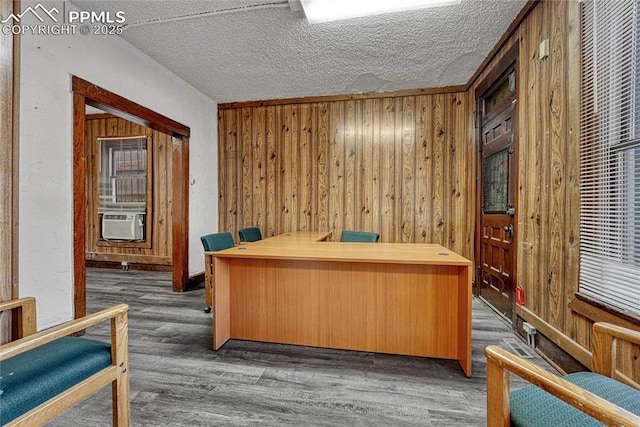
pixel 177 380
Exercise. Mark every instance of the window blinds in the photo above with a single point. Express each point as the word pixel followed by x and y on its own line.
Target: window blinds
pixel 610 154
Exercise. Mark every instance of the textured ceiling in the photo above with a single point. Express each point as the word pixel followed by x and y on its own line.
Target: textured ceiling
pixel 244 50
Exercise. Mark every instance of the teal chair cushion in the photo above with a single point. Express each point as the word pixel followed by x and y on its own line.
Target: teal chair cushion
pixel 217 241
pixel 532 406
pixel 33 377
pixel 251 234
pixel 359 236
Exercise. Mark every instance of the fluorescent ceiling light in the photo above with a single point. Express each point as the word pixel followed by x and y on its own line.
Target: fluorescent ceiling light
pixel 334 10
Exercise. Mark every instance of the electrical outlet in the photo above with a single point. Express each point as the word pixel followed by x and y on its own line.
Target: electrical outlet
pixel 529 329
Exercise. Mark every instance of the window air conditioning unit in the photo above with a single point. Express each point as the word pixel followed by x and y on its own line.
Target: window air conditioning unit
pixel 122 225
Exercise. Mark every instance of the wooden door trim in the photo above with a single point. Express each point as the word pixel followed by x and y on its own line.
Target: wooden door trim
pixel 510 58
pixel 86 93
pixel 9 141
pixel 508 34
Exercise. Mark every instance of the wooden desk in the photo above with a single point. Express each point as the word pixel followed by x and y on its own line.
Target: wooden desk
pixel 411 299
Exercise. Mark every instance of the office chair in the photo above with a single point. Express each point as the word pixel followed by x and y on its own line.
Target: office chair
pixel 359 236
pixel 251 234
pixel 213 243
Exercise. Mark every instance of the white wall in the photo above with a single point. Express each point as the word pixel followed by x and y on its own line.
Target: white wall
pixel 46 170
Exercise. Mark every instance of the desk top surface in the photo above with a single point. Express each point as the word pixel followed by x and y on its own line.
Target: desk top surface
pixel 308 246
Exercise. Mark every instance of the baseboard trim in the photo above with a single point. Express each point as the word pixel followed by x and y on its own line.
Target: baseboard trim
pixel 556 337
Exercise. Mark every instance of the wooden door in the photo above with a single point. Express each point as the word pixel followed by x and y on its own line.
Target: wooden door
pixel 497 184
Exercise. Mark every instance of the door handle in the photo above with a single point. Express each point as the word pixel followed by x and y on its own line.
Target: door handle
pixel 509 229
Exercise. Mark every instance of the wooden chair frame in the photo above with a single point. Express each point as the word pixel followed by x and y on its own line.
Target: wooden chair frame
pixel 117 373
pixel 500 363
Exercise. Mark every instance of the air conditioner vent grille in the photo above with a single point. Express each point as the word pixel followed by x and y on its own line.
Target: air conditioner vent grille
pixel 123 226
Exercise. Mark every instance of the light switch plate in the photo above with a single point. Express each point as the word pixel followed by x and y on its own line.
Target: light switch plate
pixel 544 49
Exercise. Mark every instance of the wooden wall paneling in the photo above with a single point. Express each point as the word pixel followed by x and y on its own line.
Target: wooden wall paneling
pixel 245 184
pixel 544 277
pixel 228 154
pixel 525 218
pixel 92 183
pixel 286 172
pixel 530 192
pixel 295 168
pixel 336 169
pixel 223 160
pixel 271 164
pixel 424 162
pixel 437 211
pixel 374 168
pixel 572 167
pixel 408 170
pixel 372 164
pixel 556 299
pixel 157 194
pixel 548 217
pixel 366 168
pixel 235 175
pixel 157 222
pixel 387 170
pixel 461 172
pixel 448 176
pixel 349 206
pixel 306 184
pixel 359 185
pixel 468 196
pixel 313 167
pixel 322 167
pixel 448 185
pixel 221 168
pixel 397 170
pixel 259 163
pixel 279 179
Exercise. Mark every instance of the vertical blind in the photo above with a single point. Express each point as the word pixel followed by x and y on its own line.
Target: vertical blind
pixel 610 154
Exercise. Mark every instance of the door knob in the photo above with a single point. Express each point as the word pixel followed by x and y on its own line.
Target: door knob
pixel 509 229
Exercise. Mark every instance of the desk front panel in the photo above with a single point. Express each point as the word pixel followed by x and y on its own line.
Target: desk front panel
pixel 388 308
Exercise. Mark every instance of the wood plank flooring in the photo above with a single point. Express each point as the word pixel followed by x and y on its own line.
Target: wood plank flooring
pixel 178 380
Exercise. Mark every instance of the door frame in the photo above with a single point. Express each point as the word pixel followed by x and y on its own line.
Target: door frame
pixel 86 93
pixel 9 144
pixel 511 57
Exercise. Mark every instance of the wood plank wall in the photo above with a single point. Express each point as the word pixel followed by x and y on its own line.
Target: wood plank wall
pixel 160 250
pixel 548 199
pixel 399 166
pixel 404 166
pixel 548 215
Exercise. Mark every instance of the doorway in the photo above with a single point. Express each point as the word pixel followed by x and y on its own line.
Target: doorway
pixel 85 93
pixel 496 233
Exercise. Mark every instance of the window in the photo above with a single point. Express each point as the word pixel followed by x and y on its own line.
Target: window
pixel 124 177
pixel 495 177
pixel 610 154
